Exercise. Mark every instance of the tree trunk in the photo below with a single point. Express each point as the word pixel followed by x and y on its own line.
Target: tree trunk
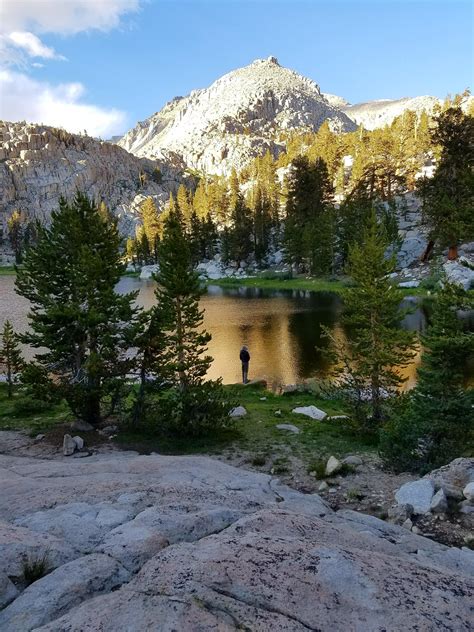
pixel 428 250
pixel 9 380
pixel 453 252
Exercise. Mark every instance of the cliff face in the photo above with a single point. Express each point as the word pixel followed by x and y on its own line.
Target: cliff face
pixel 38 164
pixel 242 114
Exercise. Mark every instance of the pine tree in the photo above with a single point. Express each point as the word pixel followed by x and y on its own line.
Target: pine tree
pixel 195 238
pixel 262 225
pixel 178 295
pixel 151 230
pixel 81 327
pixel 353 216
pixel 377 346
pixel 437 421
pixel 16 228
pixel 151 360
pixel 240 233
pixel 193 405
pixel 208 238
pixel 448 197
pixel 308 209
pixel 105 212
pixel 184 203
pixel 10 355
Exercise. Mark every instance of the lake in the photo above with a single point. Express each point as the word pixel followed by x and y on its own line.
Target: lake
pixel 282 329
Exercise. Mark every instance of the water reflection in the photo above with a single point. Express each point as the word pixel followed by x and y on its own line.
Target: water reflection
pixel 283 329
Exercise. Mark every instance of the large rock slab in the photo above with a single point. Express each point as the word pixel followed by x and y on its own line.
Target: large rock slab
pixel 18 545
pixel 189 543
pixel 8 590
pixel 280 571
pixel 52 595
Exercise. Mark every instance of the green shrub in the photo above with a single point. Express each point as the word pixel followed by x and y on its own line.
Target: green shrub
pixel 273 275
pixel 25 407
pixel 196 411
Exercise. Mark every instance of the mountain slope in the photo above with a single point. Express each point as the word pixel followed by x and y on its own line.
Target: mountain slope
pixel 38 164
pixel 236 118
pixel 379 113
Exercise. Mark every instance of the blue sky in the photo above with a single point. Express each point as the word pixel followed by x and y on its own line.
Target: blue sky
pixel 104 66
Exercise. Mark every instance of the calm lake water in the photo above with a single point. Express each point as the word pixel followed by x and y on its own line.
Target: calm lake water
pixel 282 329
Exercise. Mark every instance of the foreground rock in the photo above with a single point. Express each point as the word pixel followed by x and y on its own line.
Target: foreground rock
pixel 188 543
pixel 418 494
pixel 310 411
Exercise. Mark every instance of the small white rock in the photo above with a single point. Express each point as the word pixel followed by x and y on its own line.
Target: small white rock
pixel 79 441
pixel 289 427
pixel 468 492
pixel 333 466
pixel 238 411
pixel 439 502
pixel 310 411
pixel 69 445
pixel 352 460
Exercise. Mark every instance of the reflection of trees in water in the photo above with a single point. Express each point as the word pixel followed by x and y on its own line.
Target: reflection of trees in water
pixel 306 328
pixel 282 328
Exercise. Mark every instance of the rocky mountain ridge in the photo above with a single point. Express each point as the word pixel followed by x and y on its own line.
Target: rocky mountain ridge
pixel 239 116
pixel 381 112
pixel 39 164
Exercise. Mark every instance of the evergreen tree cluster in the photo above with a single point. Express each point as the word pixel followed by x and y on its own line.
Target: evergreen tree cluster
pixel 89 339
pixel 331 184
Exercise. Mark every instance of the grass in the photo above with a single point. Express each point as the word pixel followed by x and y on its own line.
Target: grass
pixel 34 568
pixel 311 284
pixel 23 413
pixel 297 283
pixel 256 438
pixel 7 270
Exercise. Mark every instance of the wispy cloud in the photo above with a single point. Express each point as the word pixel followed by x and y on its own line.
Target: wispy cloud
pixel 63 16
pixel 32 45
pixel 23 26
pixel 24 98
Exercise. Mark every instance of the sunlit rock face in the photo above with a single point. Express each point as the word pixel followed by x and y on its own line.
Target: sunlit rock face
pixel 239 116
pixel 39 164
pixel 381 112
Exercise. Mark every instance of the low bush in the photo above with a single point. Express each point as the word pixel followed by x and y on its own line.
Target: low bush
pixel 34 568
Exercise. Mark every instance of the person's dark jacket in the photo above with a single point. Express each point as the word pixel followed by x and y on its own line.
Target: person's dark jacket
pixel 244 356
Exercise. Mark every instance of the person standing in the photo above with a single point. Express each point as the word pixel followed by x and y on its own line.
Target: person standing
pixel 245 359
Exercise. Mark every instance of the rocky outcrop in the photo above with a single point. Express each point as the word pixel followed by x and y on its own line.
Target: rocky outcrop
pixel 447 490
pixel 238 117
pixel 460 272
pixel 188 543
pixel 39 164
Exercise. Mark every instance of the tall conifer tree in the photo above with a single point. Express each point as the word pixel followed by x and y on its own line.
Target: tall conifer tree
pixel 81 327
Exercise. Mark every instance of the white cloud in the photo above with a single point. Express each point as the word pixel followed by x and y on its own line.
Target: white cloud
pixel 23 98
pixel 32 45
pixel 63 16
